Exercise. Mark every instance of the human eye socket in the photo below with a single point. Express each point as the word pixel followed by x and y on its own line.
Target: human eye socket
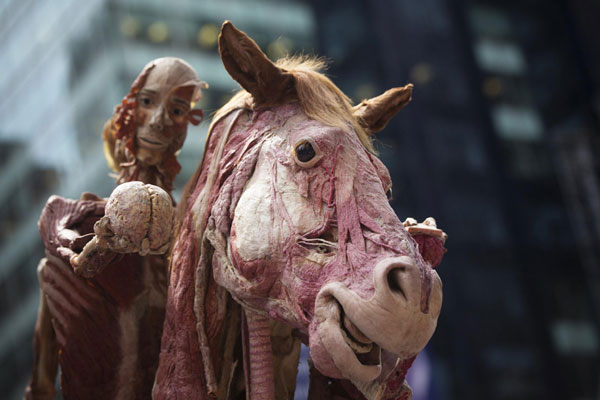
pixel 178 111
pixel 145 100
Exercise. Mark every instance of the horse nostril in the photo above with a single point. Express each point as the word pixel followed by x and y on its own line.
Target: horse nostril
pixel 394 279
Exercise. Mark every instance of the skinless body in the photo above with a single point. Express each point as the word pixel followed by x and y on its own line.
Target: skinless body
pixel 103 329
pixel 288 215
pixel 102 309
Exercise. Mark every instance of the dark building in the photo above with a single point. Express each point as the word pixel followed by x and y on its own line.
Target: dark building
pixel 500 145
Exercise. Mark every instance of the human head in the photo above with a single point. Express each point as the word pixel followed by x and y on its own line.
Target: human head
pixel 150 124
pixel 162 109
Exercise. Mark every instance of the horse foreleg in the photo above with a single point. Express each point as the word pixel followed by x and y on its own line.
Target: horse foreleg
pixel 45 350
pixel 260 357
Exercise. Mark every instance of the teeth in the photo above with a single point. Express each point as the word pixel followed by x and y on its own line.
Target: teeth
pixel 358 348
pixel 355 332
pixel 355 338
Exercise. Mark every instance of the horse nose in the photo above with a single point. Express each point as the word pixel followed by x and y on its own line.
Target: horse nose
pixel 396 280
pixel 397 277
pixel 400 280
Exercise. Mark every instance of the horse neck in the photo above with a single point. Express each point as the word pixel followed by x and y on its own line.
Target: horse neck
pixel 187 369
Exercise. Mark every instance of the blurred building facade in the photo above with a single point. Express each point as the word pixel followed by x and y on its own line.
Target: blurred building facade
pixel 499 144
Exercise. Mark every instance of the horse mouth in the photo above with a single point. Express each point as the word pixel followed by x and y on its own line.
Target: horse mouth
pixel 367 352
pixel 355 355
pixel 353 334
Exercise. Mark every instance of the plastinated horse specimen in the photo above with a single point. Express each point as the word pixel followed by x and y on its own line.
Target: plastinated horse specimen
pixel 288 216
pixel 104 279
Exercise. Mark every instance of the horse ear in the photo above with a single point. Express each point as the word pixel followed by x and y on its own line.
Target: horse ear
pixel 251 68
pixel 374 114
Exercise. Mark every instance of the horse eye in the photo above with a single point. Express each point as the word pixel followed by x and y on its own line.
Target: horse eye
pixel 304 151
pixel 389 194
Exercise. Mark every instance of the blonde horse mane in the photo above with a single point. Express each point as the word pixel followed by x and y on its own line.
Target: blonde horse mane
pixel 318 96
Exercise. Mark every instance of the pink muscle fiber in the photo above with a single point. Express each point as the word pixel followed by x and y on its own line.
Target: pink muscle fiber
pixel 260 357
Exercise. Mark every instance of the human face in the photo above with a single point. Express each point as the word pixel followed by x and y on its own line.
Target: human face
pixel 161 115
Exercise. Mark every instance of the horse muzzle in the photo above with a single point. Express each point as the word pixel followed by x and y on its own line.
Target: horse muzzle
pixel 400 317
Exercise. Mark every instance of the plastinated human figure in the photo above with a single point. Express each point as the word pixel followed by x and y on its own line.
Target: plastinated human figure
pixel 104 278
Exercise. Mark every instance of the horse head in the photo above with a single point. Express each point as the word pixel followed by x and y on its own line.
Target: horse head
pixel 290 214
